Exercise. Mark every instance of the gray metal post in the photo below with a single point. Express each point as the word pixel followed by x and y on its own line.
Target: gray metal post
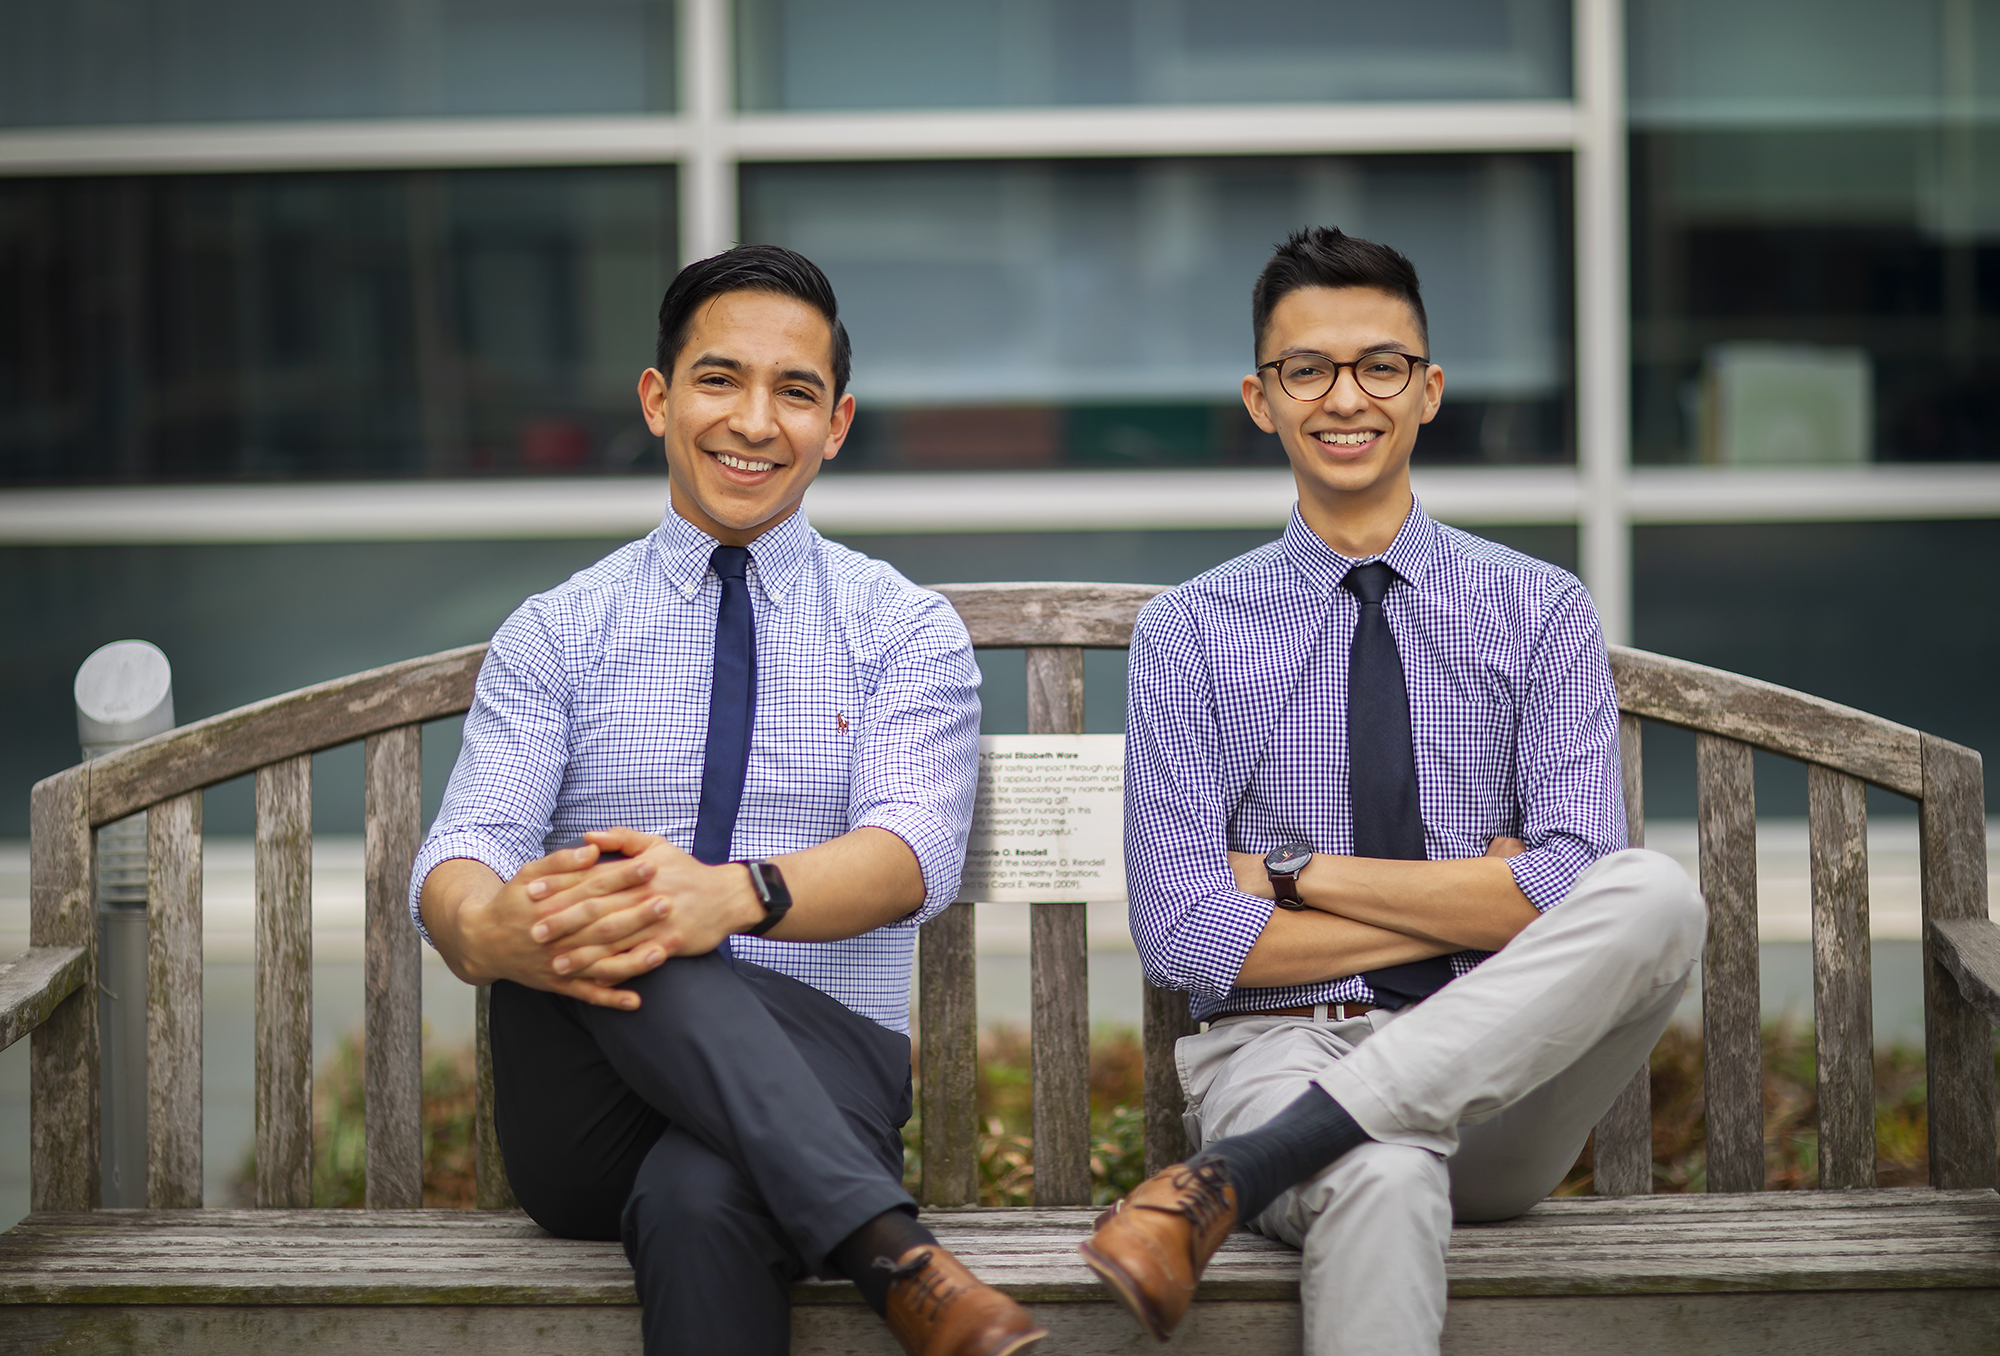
pixel 124 693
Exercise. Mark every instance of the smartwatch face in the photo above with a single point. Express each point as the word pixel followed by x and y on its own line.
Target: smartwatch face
pixel 1288 860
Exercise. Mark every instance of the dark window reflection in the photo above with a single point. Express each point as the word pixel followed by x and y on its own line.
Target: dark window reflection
pixel 230 327
pixel 1097 313
pixel 982 53
pixel 140 61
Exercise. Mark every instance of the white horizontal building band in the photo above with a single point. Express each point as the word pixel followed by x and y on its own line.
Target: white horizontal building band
pixel 447 143
pixel 984 501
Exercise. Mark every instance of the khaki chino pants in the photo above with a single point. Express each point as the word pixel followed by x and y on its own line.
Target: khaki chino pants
pixel 1479 1098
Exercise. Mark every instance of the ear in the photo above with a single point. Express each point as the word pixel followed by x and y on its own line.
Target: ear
pixel 838 426
pixel 1433 392
pixel 1255 402
pixel 653 400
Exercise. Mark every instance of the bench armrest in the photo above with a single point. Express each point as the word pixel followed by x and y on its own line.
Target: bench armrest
pixel 33 983
pixel 1970 949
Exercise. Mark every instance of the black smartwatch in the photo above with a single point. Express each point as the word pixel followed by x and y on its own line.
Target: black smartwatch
pixel 769 883
pixel 1283 865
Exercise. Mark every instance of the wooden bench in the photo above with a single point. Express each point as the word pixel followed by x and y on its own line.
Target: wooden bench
pixel 1735 1270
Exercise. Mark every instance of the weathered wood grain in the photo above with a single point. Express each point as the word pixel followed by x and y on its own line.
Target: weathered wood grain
pixel 1958 1040
pixel 283 986
pixel 63 1049
pixel 394 1066
pixel 1732 1046
pixel 33 984
pixel 1059 968
pixel 491 1189
pixel 173 1003
pixel 1010 616
pixel 1843 1012
pixel 1059 1040
pixel 948 1072
pixel 1055 690
pixel 306 721
pixel 1621 1153
pixel 1769 717
pixel 1969 948
pixel 1165 1019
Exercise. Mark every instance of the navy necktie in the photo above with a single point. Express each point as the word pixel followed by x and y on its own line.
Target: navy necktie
pixel 1382 768
pixel 732 710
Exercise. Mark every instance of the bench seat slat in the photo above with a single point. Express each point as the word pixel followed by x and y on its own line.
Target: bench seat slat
pixel 173 1003
pixel 1563 1247
pixel 1732 1043
pixel 1843 1015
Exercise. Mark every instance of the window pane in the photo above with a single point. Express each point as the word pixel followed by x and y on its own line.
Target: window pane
pixel 139 61
pixel 217 327
pixel 990 53
pixel 1097 313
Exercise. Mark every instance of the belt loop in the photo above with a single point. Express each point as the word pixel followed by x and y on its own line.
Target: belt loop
pixel 1319 1014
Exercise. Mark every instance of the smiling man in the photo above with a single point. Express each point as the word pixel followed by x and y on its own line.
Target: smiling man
pixel 767 746
pixel 1374 825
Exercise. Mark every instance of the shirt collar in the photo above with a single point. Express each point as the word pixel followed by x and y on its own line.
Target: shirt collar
pixel 1324 568
pixel 776 557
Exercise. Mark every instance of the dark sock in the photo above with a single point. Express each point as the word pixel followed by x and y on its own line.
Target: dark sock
pixel 1293 1146
pixel 866 1255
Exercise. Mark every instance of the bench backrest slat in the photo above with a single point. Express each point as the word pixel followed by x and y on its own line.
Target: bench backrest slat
pixel 1844 1022
pixel 283 988
pixel 1059 972
pixel 1621 1153
pixel 491 1190
pixel 1054 623
pixel 393 1063
pixel 1958 1040
pixel 173 1003
pixel 1732 1045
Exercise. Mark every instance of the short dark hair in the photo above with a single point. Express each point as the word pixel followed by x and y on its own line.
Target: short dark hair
pixel 1326 256
pixel 750 268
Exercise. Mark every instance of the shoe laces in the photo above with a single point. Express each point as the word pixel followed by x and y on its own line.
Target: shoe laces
pixel 928 1290
pixel 1202 1188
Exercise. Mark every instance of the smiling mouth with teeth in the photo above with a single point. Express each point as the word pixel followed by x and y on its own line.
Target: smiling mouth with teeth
pixel 1346 439
pixel 742 463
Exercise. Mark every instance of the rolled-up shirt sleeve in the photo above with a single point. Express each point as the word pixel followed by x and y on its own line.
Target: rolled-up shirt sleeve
pixel 1194 928
pixel 502 792
pixel 916 763
pixel 1572 793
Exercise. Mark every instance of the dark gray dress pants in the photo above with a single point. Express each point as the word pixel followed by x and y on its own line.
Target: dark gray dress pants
pixel 730 1132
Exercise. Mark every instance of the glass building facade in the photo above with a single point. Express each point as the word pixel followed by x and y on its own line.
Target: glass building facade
pixel 1713 286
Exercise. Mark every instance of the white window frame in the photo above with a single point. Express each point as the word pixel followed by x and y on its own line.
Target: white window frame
pixel 1603 495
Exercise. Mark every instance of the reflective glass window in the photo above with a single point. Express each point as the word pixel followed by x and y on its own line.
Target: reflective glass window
pixel 991 53
pixel 1815 231
pixel 1098 313
pixel 221 327
pixel 141 61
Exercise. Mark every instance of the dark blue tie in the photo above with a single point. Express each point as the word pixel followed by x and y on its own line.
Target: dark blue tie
pixel 732 710
pixel 1382 768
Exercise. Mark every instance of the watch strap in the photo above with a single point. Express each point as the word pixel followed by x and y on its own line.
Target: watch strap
pixel 769 883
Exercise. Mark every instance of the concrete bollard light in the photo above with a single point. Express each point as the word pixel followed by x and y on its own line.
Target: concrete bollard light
pixel 124 693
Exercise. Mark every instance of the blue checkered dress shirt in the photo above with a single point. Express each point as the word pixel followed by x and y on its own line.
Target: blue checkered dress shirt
pixel 592 711
pixel 1234 737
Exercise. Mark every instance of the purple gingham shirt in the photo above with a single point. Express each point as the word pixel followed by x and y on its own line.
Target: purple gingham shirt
pixel 592 711
pixel 1235 738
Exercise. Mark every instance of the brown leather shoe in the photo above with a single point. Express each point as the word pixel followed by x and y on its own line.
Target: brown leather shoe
pixel 1150 1248
pixel 938 1308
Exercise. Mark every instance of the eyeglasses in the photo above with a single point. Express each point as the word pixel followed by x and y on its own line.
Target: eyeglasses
pixel 1309 376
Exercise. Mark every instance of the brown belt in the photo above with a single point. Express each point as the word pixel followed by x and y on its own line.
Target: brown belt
pixel 1340 1012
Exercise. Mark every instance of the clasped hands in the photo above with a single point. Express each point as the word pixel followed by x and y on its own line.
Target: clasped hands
pixel 573 924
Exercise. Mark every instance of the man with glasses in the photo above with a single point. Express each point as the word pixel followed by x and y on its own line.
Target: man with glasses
pixel 1375 827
